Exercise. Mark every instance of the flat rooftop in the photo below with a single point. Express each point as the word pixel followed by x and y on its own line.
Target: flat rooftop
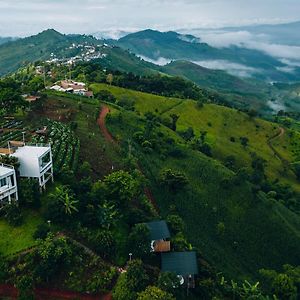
pixel 33 151
pixel 5 170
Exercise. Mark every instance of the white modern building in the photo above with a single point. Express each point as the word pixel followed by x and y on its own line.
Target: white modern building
pixel 35 162
pixel 8 184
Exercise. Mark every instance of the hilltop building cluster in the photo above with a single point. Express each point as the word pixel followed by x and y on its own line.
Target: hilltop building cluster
pixel 85 52
pixel 72 87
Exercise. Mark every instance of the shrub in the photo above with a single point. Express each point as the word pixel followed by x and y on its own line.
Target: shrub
pixel 175 223
pixel 13 214
pixel 41 231
pixel 174 180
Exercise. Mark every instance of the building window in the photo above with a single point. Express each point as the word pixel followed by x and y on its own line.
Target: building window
pixel 12 180
pixel 3 182
pixel 45 160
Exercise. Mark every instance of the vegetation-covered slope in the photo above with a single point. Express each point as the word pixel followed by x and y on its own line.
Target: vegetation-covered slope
pixel 239 92
pixel 19 53
pixel 224 126
pixel 236 229
pixel 171 45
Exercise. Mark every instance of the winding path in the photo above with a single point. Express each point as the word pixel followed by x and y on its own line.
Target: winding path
pixel 101 122
pixel 271 139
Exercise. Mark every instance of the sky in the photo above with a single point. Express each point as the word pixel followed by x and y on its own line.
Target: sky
pixel 28 17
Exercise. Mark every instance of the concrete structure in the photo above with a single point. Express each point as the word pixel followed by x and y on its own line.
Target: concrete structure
pixel 35 162
pixel 8 184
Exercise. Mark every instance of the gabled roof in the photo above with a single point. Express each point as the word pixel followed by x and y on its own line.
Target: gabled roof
pixel 158 230
pixel 180 263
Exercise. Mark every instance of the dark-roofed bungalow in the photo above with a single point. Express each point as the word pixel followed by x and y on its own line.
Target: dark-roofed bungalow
pixel 183 264
pixel 160 234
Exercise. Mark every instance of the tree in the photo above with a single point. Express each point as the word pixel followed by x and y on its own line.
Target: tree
pixel 174 118
pixel 175 223
pixel 61 205
pixel 29 193
pixel 284 288
pixel 110 79
pixel 154 293
pixel 252 113
pixel 64 195
pixel 137 277
pixel 244 141
pixel 174 180
pixel 122 291
pixel 121 187
pixel 132 282
pixel 139 240
pixel 41 231
pixel 12 214
pixel 35 84
pixel 103 242
pixel 188 134
pixel 284 285
pixel 168 282
pixel 53 254
pixel 9 160
pixel 297 171
pixel 10 99
pixel 105 95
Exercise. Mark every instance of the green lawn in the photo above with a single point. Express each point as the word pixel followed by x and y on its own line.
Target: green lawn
pixel 15 239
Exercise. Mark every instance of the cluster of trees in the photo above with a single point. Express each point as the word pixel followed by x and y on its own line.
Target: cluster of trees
pixel 145 284
pixel 156 84
pixel 10 97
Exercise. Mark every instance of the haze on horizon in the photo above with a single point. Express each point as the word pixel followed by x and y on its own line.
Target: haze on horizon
pixel 23 17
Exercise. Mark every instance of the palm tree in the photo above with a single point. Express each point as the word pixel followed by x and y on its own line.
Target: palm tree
pixel 66 197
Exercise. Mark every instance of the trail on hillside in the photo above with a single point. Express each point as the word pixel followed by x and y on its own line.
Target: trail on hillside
pixel 276 153
pixel 101 122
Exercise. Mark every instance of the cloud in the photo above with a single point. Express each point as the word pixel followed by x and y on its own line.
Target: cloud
pixel 228 66
pixel 287 54
pixel 276 106
pixel 161 61
pixel 94 15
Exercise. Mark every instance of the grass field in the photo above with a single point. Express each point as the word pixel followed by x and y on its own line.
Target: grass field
pixel 14 239
pixel 221 124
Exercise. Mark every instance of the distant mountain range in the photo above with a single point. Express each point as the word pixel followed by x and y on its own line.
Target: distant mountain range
pixel 183 55
pixel 155 46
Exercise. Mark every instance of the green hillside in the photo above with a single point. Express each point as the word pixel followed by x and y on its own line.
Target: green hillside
pixel 16 54
pixel 221 124
pixel 258 232
pixel 240 92
pixel 171 45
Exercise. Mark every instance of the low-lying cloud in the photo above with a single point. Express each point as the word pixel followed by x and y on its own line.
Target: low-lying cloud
pixel 245 39
pixel 228 66
pixel 161 61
